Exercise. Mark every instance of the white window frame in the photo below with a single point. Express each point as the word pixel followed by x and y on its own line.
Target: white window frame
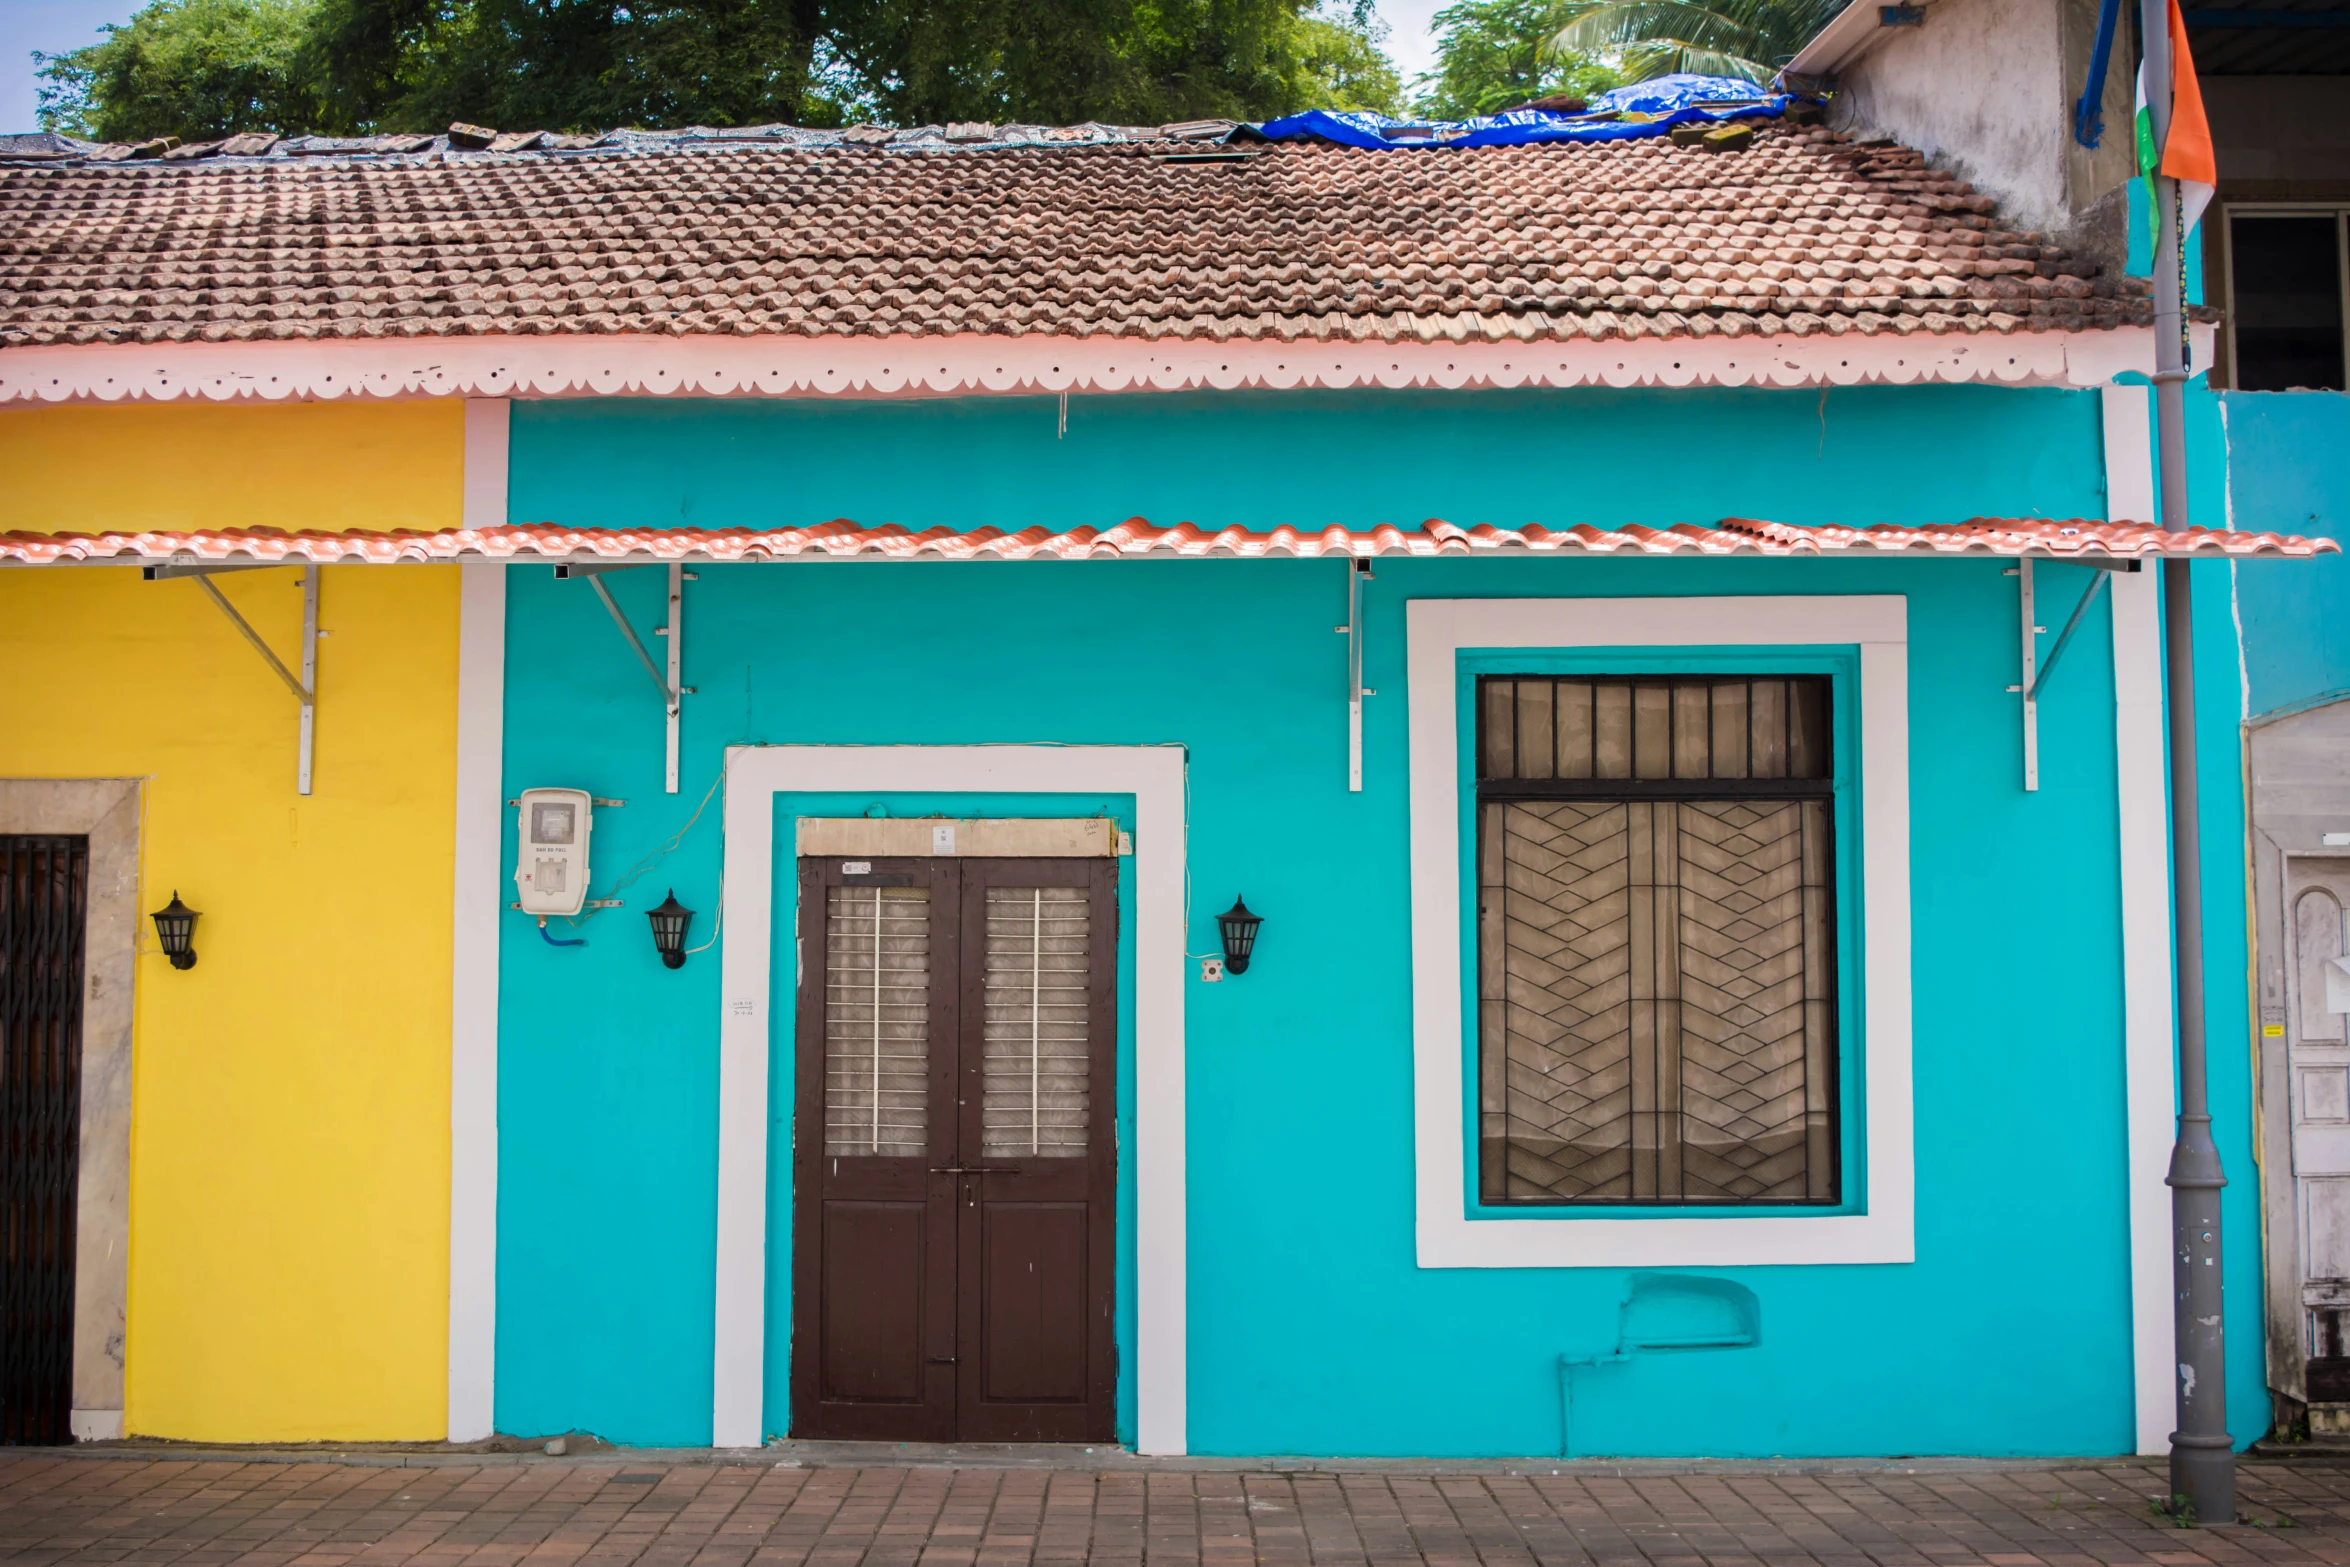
pixel 1437 632
pixel 2230 211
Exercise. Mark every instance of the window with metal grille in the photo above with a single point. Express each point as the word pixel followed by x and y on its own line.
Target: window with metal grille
pixel 1656 940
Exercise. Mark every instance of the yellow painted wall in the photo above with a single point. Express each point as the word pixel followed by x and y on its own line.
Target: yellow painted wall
pixel 290 1132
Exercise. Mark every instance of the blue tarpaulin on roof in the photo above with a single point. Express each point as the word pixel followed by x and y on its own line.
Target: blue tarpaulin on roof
pixel 1659 105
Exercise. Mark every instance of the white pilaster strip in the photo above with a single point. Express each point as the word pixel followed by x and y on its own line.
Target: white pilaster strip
pixel 2144 824
pixel 748 894
pixel 473 965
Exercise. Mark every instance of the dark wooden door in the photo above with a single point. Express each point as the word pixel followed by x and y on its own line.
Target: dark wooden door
pixel 44 885
pixel 954 1164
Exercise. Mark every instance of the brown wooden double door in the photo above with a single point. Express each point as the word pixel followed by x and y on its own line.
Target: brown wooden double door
pixel 954 1164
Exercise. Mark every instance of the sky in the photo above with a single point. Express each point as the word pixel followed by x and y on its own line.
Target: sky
pixel 55 26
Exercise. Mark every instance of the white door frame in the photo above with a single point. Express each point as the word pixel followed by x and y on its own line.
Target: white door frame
pixel 1154 775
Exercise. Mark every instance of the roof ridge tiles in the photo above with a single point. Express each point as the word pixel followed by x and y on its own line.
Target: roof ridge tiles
pixel 1433 246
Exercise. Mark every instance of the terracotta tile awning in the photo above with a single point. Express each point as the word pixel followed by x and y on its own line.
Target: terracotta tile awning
pixel 1137 539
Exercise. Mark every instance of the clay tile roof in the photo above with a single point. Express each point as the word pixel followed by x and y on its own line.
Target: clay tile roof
pixel 1083 231
pixel 1136 538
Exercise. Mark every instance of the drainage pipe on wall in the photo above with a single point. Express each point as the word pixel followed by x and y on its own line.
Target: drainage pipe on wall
pixel 2202 1455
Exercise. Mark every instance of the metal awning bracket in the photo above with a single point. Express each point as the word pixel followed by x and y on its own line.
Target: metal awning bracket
pixel 565 571
pixel 174 569
pixel 668 681
pixel 1358 572
pixel 2036 670
pixel 305 689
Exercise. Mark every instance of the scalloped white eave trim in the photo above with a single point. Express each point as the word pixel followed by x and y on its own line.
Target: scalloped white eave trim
pixel 638 365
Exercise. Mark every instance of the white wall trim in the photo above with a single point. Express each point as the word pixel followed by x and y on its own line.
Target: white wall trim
pixel 473 963
pixel 111 812
pixel 489 424
pixel 1437 630
pixel 751 995
pixel 2143 821
pixel 638 364
pixel 95 1425
pixel 1848 35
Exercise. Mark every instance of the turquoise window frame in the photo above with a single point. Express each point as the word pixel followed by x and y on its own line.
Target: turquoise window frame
pixel 1840 663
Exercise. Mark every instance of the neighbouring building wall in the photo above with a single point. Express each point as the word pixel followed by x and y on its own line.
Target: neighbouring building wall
pixel 290 1119
pixel 2285 471
pixel 1312 1329
pixel 2279 138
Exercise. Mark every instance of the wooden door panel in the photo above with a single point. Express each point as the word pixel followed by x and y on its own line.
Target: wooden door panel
pixel 1038 1068
pixel 1032 1310
pixel 873 1278
pixel 872 1305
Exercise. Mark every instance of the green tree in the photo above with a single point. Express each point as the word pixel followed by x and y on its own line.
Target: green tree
pixel 1496 54
pixel 1748 39
pixel 195 69
pixel 202 67
pixel 1134 62
pixel 1344 64
pixel 418 65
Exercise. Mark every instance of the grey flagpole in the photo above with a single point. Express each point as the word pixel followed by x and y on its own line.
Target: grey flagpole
pixel 2202 1454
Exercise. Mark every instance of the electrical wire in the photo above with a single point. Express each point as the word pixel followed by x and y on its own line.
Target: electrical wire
pixel 636 872
pixel 719 928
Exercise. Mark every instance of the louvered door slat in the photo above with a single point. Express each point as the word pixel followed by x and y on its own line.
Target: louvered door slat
pixel 1036 1048
pixel 877 1021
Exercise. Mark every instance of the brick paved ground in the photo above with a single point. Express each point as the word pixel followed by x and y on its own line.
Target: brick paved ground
pixel 178 1511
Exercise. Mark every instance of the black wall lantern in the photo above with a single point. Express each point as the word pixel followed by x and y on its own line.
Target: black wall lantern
pixel 669 923
pixel 175 928
pixel 1240 935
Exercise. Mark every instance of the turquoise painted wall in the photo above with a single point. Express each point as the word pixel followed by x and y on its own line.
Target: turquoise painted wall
pixel 1259 460
pixel 1313 1331
pixel 2289 471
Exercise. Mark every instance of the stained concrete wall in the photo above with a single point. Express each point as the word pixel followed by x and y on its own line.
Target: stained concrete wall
pixel 1978 90
pixel 1985 88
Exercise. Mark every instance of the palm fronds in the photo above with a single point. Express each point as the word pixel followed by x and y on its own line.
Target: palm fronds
pixel 1749 39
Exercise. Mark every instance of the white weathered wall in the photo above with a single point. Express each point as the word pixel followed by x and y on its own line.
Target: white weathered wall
pixel 1980 90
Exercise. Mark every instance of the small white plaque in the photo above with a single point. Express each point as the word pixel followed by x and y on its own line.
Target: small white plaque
pixel 942 838
pixel 856 867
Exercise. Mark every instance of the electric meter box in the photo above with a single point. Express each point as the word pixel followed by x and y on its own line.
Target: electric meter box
pixel 551 873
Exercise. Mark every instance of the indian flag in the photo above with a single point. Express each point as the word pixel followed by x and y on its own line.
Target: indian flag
pixel 2186 156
